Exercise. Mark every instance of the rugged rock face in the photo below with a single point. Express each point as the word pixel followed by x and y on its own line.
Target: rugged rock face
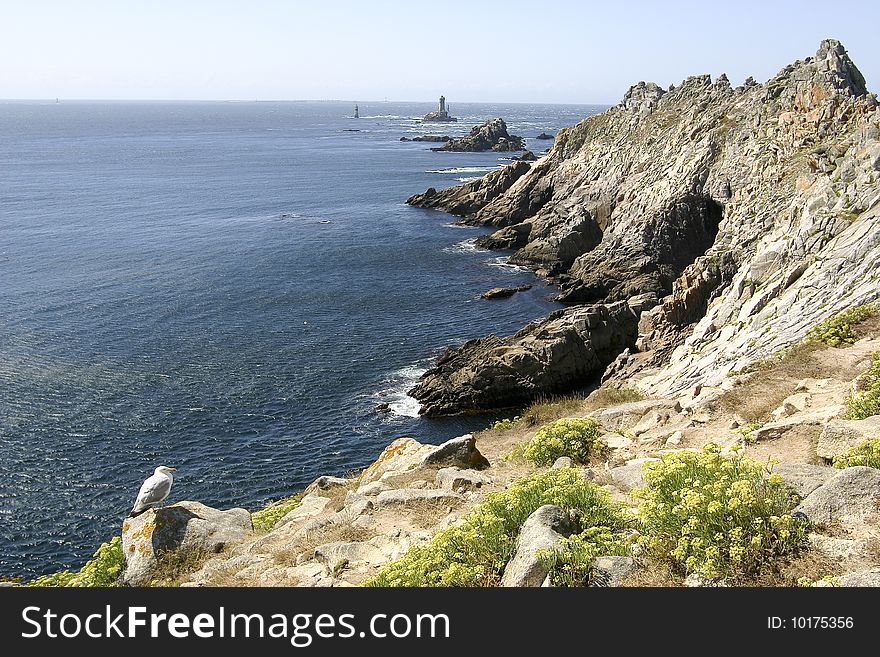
pixel 560 353
pixel 186 528
pixel 490 136
pixel 466 199
pixel 750 213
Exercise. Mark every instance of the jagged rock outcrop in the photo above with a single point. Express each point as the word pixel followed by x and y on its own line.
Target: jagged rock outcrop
pixel 466 199
pixel 190 529
pixel 560 353
pixel 489 136
pixel 750 213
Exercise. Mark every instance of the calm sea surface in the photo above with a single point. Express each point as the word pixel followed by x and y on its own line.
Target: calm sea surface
pixel 228 288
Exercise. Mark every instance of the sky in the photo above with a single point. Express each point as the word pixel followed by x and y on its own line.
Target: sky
pixel 553 51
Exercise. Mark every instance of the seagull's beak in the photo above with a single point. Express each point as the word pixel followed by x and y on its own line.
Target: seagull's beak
pixel 172 469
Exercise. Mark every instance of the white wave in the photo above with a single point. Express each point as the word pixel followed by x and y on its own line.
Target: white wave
pixel 503 263
pixel 466 180
pixel 394 394
pixel 465 246
pixel 460 170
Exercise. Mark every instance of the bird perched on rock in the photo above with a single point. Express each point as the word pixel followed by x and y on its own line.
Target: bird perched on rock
pixel 154 490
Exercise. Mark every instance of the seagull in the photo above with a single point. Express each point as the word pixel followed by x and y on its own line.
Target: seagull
pixel 154 490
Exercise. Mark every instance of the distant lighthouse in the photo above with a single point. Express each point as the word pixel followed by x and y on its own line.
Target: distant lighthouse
pixel 356 115
pixel 441 115
pixel 442 111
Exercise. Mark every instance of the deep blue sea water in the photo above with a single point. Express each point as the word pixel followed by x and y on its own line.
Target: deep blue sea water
pixel 228 288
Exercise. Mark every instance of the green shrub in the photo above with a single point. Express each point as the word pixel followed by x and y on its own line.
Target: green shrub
pixel 475 552
pixel 866 402
pixel 867 453
pixel 266 518
pixel 103 570
pixel 577 438
pixel 716 514
pixel 506 423
pixel 573 563
pixel 839 329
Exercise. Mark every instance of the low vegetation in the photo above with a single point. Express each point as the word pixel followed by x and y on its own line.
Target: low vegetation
pixel 841 329
pixel 103 570
pixel 720 515
pixel 573 564
pixel 866 401
pixel 266 518
pixel 578 438
pixel 475 552
pixel 867 453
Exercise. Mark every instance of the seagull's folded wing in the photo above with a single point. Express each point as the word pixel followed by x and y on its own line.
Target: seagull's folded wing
pixel 154 490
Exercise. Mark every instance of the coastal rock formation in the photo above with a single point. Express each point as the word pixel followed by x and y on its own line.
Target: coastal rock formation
pixel 490 136
pixel 429 138
pixel 464 200
pixel 544 135
pixel 560 353
pixel 186 528
pixel 504 292
pixel 750 214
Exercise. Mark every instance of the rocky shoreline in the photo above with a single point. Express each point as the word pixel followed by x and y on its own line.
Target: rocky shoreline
pixel 720 250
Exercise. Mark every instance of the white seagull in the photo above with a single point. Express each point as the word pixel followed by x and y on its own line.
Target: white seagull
pixel 154 490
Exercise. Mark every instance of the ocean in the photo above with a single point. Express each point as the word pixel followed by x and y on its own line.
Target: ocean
pixel 230 289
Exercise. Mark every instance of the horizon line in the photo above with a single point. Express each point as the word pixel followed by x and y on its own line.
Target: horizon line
pixel 53 99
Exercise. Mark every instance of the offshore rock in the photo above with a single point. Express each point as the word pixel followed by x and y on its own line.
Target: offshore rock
pixel 560 353
pixel 489 136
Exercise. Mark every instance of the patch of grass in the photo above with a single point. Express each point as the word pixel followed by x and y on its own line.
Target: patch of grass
pixel 613 396
pixel 543 411
pixel 475 552
pixel 103 570
pixel 747 431
pixel 269 516
pixel 717 514
pixel 574 437
pixel 867 454
pixel 866 402
pixel 842 328
pixel 506 423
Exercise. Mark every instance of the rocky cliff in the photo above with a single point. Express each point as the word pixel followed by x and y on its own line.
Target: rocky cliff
pixel 748 213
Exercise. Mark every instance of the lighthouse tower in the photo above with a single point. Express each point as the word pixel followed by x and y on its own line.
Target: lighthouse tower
pixel 442 110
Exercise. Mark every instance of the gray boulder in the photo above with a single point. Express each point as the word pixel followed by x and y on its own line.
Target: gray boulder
pixel 861 578
pixel 627 415
pixel 839 436
pixel 852 492
pixel 611 571
pixel 543 530
pixel 630 476
pixel 459 452
pixel 176 532
pixel 457 479
pixel 804 478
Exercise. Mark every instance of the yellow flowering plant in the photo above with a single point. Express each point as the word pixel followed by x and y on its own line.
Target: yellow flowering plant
pixel 575 437
pixel 866 453
pixel 717 514
pixel 475 552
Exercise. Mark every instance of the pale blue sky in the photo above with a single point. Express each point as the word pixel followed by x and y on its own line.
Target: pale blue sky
pixel 515 51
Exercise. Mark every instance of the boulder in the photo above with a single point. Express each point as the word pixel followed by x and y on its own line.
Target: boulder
pixel 839 436
pixel 869 577
pixel 183 530
pixel 624 416
pixel 803 478
pixel 544 529
pixel 562 462
pixel 460 452
pixel 326 483
pixel 544 135
pixel 457 479
pixel 400 456
pixel 630 476
pixel 612 571
pixel 489 136
pixel 504 292
pixel 851 493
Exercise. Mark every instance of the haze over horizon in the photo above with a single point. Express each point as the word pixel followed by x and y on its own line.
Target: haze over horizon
pixel 565 52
